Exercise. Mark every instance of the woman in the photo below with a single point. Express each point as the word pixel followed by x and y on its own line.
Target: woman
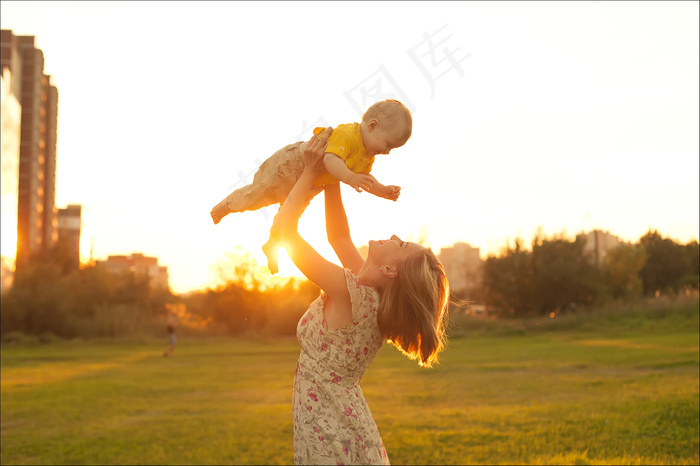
pixel 400 293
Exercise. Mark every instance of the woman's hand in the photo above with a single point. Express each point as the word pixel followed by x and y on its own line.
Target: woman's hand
pixel 313 151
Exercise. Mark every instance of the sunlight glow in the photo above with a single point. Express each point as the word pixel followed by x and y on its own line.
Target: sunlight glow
pixel 286 265
pixel 9 240
pixel 242 267
pixel 186 318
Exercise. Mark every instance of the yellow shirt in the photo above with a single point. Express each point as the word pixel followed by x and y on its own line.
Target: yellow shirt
pixel 346 143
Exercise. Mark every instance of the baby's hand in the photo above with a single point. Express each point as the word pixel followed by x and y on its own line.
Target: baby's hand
pixel 362 182
pixel 392 192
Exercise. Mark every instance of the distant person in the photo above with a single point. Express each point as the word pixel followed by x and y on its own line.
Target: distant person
pixel 172 340
pixel 385 125
pixel 399 293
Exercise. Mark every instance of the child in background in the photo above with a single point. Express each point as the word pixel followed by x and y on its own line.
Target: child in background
pixel 349 156
pixel 172 340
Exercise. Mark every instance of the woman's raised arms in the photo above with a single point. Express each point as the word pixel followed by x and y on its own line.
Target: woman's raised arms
pixel 338 230
pixel 326 275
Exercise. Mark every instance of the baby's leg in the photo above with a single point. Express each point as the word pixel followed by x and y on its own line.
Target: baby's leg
pixel 270 247
pixel 271 184
pixel 270 250
pixel 219 211
pixel 252 197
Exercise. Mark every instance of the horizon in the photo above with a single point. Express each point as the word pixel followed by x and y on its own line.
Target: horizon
pixel 289 271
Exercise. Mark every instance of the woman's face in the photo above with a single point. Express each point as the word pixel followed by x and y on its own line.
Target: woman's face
pixel 391 252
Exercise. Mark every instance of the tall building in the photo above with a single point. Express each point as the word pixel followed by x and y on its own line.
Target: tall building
pixel 69 228
pixel 10 117
pixel 462 265
pixel 37 216
pixel 598 243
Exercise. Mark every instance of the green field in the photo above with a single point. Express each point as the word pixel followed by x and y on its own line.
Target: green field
pixel 611 388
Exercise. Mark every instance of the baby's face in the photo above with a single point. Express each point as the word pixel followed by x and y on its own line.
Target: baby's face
pixel 380 140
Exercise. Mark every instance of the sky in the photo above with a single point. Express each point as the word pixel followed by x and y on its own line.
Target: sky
pixel 555 116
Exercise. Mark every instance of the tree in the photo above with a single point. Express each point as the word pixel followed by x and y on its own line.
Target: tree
pixel 245 301
pixel 666 266
pixel 692 276
pixel 507 281
pixel 52 295
pixel 556 275
pixel 621 269
pixel 563 276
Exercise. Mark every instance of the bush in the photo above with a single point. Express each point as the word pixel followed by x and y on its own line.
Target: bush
pixel 51 300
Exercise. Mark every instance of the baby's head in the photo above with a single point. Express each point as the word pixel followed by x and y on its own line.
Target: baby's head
pixel 394 122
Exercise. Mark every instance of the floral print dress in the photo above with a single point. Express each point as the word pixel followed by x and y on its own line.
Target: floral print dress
pixel 332 421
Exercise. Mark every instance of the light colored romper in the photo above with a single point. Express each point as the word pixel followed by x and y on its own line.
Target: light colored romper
pixel 272 182
pixel 277 175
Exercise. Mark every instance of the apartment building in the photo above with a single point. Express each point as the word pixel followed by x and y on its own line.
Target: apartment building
pixel 140 266
pixel 462 264
pixel 37 215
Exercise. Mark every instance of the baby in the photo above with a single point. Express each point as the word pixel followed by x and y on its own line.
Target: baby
pixel 385 125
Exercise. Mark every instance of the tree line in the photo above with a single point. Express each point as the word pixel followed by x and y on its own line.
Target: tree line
pixel 52 297
pixel 243 303
pixel 557 274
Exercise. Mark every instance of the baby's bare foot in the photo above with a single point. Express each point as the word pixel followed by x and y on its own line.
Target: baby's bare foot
pixel 270 250
pixel 218 212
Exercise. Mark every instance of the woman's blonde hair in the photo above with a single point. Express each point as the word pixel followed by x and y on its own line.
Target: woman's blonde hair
pixel 413 308
pixel 392 114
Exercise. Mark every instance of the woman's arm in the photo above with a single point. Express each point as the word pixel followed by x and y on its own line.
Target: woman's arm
pixel 326 275
pixel 338 230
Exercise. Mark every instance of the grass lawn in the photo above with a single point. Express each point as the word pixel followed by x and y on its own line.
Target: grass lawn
pixel 604 389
